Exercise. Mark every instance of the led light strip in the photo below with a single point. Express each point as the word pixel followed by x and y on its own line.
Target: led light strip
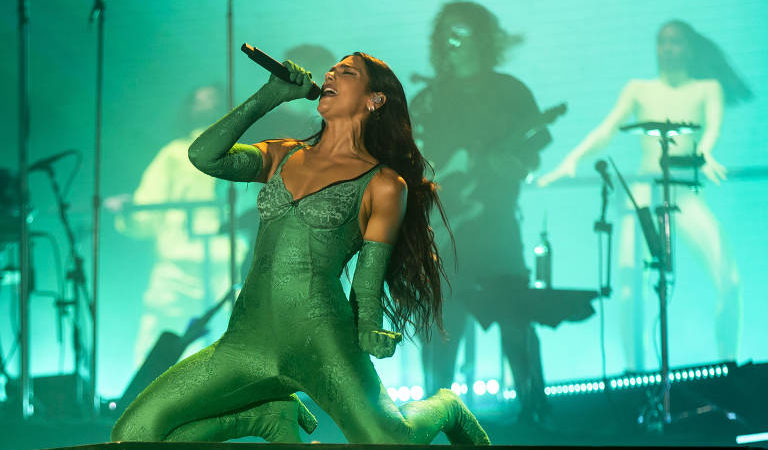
pixel 750 438
pixel 639 380
pixel 492 387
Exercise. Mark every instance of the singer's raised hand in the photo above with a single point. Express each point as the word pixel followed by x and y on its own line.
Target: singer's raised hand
pixel 217 152
pixel 301 83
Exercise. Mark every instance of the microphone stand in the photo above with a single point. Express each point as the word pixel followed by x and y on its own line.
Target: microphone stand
pixel 664 267
pixel 231 192
pixel 603 227
pixel 76 277
pixel 97 12
pixel 25 385
pixel 656 415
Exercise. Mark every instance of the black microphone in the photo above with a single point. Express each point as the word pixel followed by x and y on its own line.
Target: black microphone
pixel 601 167
pixel 46 162
pixel 275 68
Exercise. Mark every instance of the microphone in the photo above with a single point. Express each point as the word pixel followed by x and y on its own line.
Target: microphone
pixel 45 163
pixel 275 68
pixel 601 167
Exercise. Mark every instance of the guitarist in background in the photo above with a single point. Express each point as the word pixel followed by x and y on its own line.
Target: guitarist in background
pixel 479 129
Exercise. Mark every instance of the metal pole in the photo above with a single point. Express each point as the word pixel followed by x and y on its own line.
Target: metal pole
pixel 665 266
pixel 231 193
pixel 98 12
pixel 25 384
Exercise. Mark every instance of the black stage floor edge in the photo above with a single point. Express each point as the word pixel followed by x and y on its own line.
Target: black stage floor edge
pixel 256 446
pixel 712 412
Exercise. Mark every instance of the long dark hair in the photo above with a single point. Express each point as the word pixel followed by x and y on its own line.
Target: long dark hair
pixel 706 60
pixel 415 268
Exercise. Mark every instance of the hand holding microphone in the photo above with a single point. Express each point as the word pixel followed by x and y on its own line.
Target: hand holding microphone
pixel 290 80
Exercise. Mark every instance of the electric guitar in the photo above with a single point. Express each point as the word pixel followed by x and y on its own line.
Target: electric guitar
pixel 456 171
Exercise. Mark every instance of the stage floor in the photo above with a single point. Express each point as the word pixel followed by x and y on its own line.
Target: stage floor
pixel 728 407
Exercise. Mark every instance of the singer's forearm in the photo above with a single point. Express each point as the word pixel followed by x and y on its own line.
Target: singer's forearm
pixel 216 151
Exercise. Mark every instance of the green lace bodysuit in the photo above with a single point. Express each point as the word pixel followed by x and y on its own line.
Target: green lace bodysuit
pixel 293 329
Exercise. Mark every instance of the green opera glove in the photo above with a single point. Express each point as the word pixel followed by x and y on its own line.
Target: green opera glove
pixel 367 285
pixel 216 151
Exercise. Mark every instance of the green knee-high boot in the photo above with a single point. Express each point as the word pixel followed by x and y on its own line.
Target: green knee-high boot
pixel 274 421
pixel 444 412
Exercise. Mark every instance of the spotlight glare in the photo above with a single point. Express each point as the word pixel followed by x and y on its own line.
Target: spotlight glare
pixel 493 387
pixel 456 388
pixel 392 393
pixel 479 387
pixel 404 394
pixel 417 393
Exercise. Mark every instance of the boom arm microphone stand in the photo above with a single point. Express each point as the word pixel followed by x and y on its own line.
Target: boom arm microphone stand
pixel 656 415
pixel 79 291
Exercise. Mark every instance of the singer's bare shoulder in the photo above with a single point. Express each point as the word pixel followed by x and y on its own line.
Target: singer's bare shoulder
pixel 272 152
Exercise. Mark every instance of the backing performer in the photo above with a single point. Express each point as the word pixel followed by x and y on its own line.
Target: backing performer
pixel 472 120
pixel 694 80
pixel 357 186
pixel 191 254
